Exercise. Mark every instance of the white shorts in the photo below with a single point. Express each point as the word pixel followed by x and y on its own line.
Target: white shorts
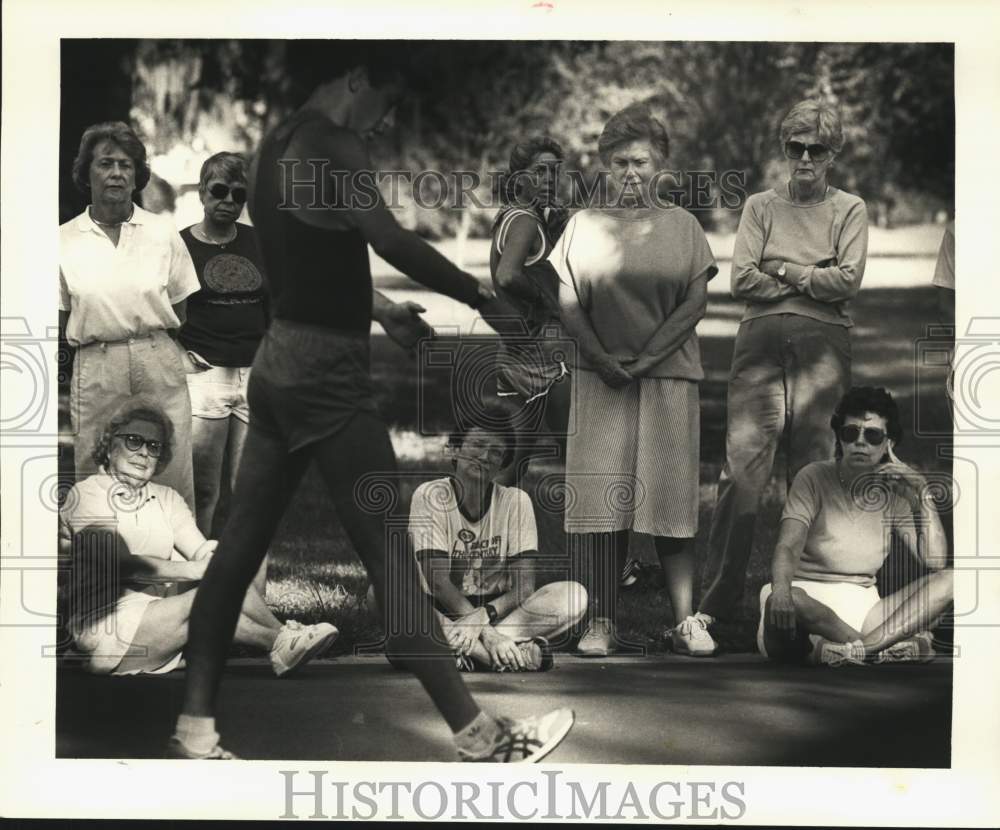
pixel 220 392
pixel 107 640
pixel 848 600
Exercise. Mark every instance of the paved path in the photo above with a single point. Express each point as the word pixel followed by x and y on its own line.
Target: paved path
pixel 735 710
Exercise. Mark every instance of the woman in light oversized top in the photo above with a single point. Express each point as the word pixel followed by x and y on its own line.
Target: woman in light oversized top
pixel 798 261
pixel 633 279
pixel 822 605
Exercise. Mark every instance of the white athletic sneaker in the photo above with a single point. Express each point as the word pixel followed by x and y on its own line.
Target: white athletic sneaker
pixel 175 749
pixel 841 654
pixel 598 640
pixel 526 741
pixel 297 644
pixel 917 649
pixel 537 656
pixel 691 637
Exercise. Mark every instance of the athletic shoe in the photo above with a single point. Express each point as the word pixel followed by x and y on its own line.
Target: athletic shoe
pixel 175 749
pixel 598 640
pixel 537 656
pixel 691 637
pixel 526 741
pixel 841 654
pixel 630 574
pixel 917 649
pixel 297 644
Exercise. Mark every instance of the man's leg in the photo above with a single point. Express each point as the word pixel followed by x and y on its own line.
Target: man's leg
pixel 268 479
pixel 755 419
pixel 363 449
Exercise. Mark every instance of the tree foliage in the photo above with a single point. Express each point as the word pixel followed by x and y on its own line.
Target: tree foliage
pixel 722 103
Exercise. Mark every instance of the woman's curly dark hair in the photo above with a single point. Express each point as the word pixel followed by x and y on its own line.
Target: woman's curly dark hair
pixel 861 399
pixel 121 134
pixel 133 410
pixel 491 418
pixel 522 156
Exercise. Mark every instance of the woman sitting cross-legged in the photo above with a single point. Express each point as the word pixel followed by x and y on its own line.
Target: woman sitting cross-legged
pixel 822 605
pixel 131 542
pixel 476 542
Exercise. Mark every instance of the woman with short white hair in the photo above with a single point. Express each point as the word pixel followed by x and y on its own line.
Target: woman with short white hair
pixel 798 262
pixel 132 543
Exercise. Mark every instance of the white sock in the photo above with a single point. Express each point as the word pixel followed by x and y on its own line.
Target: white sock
pixel 708 618
pixel 197 733
pixel 479 737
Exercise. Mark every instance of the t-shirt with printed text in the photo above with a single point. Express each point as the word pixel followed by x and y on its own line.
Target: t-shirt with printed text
pixel 480 551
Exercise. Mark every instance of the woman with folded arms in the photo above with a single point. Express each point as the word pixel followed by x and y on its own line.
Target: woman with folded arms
pixel 798 262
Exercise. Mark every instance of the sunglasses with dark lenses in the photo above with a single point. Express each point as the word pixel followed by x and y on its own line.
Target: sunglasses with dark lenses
pixel 873 435
pixel 133 443
pixel 796 149
pixel 220 191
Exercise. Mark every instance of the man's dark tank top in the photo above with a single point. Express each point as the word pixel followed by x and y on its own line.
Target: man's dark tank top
pixel 316 275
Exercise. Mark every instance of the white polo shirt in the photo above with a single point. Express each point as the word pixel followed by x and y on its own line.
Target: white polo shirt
pixel 113 293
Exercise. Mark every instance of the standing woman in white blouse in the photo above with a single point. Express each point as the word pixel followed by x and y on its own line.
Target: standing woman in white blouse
pixel 124 274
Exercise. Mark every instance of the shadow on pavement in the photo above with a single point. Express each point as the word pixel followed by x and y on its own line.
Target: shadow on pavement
pixel 733 711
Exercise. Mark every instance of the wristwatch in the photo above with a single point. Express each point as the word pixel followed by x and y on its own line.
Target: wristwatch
pixel 491 612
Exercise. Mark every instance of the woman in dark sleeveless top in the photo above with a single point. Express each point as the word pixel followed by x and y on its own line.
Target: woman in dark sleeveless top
pixel 311 400
pixel 534 356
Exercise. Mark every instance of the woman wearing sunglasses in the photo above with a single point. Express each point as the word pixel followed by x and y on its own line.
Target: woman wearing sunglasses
pixel 131 541
pixel 226 320
pixel 822 604
pixel 798 261
pixel 124 278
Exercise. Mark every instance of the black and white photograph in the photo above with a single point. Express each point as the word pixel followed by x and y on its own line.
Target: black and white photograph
pixel 579 390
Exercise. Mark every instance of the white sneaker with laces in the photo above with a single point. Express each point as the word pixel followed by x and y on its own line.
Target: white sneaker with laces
pixel 917 649
pixel 691 637
pixel 526 741
pixel 296 644
pixel 842 654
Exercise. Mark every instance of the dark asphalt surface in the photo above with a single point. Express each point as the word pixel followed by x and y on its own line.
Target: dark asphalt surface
pixel 734 710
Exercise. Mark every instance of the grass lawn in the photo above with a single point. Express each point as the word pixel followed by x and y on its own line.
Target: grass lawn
pixel 315 575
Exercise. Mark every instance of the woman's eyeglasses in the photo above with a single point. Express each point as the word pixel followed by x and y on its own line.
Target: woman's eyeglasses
pixel 796 149
pixel 873 435
pixel 133 443
pixel 220 191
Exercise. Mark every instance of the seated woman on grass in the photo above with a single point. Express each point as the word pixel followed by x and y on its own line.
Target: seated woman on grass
pixel 131 542
pixel 822 605
pixel 476 542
